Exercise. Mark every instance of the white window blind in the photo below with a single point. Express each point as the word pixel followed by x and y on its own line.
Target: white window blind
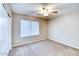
pixel 35 28
pixel 25 28
pixel 29 28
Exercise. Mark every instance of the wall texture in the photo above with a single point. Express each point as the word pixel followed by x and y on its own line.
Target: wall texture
pixel 65 27
pixel 17 40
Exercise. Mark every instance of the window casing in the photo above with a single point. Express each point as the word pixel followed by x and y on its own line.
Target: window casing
pixel 29 28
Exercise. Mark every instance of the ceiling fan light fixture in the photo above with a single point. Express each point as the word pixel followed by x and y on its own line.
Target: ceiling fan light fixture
pixel 46 14
pixel 46 11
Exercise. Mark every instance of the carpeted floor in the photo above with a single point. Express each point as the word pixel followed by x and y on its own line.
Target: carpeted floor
pixel 44 48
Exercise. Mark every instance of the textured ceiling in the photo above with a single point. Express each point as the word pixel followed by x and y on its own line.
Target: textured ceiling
pixel 27 8
pixel 32 8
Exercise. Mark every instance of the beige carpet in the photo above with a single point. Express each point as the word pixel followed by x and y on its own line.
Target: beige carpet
pixel 44 48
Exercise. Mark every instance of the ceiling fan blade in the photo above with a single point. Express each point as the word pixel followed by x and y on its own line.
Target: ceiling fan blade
pixel 32 12
pixel 55 12
pixel 38 14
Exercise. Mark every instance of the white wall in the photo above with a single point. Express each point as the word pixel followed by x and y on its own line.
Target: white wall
pixel 17 40
pixel 5 31
pixel 65 27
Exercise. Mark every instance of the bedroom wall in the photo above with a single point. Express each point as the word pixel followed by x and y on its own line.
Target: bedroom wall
pixel 65 27
pixel 17 40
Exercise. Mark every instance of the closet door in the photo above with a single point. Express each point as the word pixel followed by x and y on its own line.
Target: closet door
pixel 5 37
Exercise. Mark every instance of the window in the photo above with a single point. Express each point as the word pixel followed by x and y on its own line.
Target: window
pixel 29 28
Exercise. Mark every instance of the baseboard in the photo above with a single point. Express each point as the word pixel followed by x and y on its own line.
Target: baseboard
pixel 4 54
pixel 63 43
pixel 29 43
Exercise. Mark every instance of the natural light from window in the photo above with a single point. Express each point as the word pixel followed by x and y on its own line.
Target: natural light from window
pixel 29 28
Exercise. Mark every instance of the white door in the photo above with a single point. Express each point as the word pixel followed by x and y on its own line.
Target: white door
pixel 5 36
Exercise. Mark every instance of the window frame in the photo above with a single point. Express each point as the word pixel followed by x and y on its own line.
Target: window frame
pixel 31 35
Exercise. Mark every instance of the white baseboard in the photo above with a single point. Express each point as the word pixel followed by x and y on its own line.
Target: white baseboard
pixel 65 43
pixel 4 54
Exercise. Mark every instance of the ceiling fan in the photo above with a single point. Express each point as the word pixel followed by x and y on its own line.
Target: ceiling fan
pixel 46 10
